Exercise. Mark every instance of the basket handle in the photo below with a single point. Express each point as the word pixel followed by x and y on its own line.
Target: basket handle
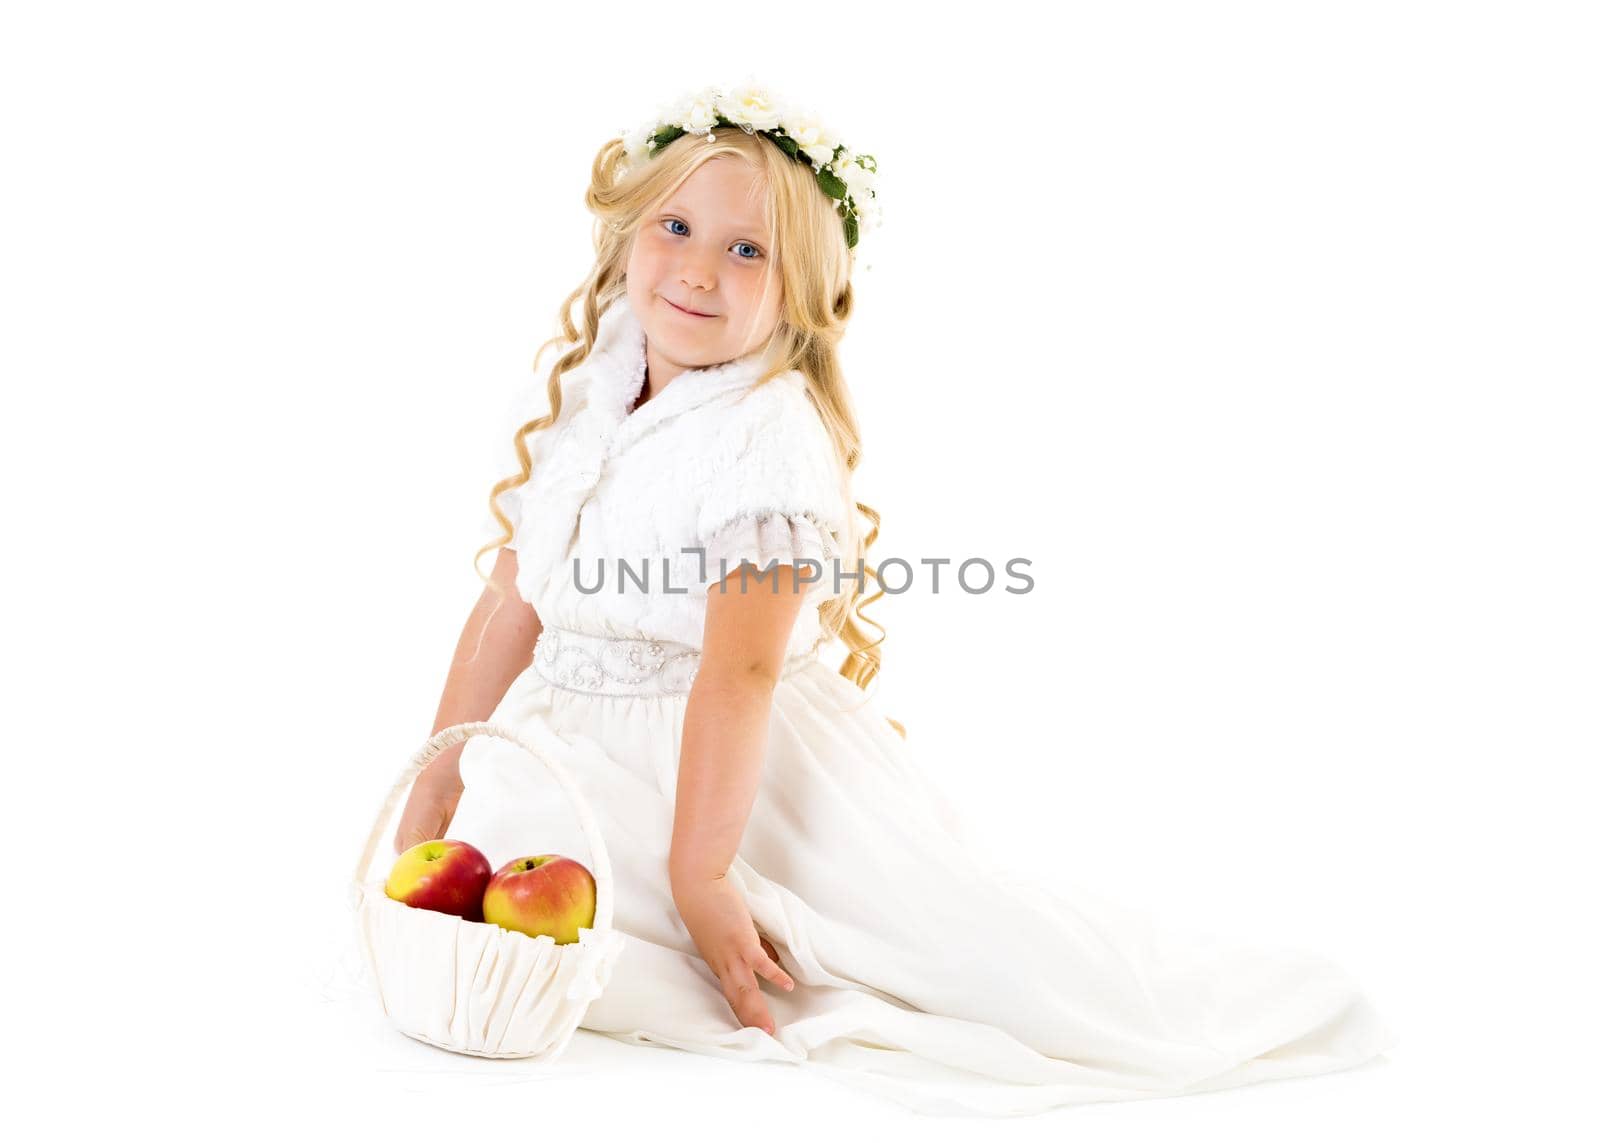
pixel 460 732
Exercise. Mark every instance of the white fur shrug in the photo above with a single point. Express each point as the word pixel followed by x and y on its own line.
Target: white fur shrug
pixel 713 461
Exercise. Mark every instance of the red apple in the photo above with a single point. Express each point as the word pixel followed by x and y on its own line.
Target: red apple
pixel 443 875
pixel 548 895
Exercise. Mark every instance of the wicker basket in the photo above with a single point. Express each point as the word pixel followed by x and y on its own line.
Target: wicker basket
pixel 470 986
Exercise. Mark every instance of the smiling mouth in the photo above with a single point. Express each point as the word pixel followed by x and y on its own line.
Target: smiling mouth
pixel 681 310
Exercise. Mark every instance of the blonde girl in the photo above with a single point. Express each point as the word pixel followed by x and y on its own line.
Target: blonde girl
pixel 767 822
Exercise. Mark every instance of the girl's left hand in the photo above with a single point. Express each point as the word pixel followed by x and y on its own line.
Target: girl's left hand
pixel 719 921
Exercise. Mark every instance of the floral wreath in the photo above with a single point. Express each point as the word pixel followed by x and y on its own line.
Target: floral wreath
pixel 848 178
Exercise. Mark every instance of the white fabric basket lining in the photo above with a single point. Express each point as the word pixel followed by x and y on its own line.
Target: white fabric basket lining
pixel 474 987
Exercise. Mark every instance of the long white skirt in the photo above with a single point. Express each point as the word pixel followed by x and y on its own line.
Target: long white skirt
pixel 920 976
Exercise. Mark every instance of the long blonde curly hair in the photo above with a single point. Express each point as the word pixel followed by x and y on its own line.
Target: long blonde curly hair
pixel 815 265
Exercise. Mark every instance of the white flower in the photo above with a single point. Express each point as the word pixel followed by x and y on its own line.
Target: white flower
pixel 636 144
pixel 751 104
pixel 811 136
pixel 695 112
pixel 860 182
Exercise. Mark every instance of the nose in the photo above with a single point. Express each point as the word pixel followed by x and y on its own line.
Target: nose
pixel 696 272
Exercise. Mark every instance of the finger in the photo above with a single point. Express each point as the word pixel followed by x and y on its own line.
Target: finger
pixel 773 971
pixel 744 997
pixel 782 977
pixel 753 1014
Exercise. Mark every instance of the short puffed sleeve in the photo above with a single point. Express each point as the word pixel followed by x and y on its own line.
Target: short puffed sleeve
pixel 778 498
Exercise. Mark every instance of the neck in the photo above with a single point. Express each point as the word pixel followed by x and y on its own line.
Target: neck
pixel 658 373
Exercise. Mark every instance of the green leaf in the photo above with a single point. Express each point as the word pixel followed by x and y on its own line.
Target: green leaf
pixel 664 136
pixel 831 183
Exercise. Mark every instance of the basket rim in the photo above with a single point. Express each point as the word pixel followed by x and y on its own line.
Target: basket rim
pixel 363 879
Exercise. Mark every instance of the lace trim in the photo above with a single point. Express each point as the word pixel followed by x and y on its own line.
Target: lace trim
pixel 764 536
pixel 606 665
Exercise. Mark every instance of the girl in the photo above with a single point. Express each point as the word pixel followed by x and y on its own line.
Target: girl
pixel 678 547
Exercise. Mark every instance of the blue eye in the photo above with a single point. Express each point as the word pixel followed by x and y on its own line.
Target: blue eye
pixel 755 251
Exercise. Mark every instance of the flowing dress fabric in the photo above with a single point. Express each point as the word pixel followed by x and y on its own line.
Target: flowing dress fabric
pixel 921 975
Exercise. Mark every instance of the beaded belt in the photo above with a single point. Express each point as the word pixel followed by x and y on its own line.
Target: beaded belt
pixel 604 665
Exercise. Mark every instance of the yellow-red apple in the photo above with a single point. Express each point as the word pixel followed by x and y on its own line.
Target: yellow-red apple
pixel 545 895
pixel 443 875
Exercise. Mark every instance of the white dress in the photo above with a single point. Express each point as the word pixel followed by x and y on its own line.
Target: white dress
pixel 853 864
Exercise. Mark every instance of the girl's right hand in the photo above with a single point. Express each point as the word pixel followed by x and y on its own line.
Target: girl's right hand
pixel 433 800
pixel 719 923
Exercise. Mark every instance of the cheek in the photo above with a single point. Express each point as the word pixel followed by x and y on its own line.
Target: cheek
pixel 638 257
pixel 648 251
pixel 763 299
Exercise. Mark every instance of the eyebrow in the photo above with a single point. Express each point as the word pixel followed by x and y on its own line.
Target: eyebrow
pixel 746 226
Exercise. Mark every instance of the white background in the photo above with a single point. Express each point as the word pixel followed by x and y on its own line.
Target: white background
pixel 1266 331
